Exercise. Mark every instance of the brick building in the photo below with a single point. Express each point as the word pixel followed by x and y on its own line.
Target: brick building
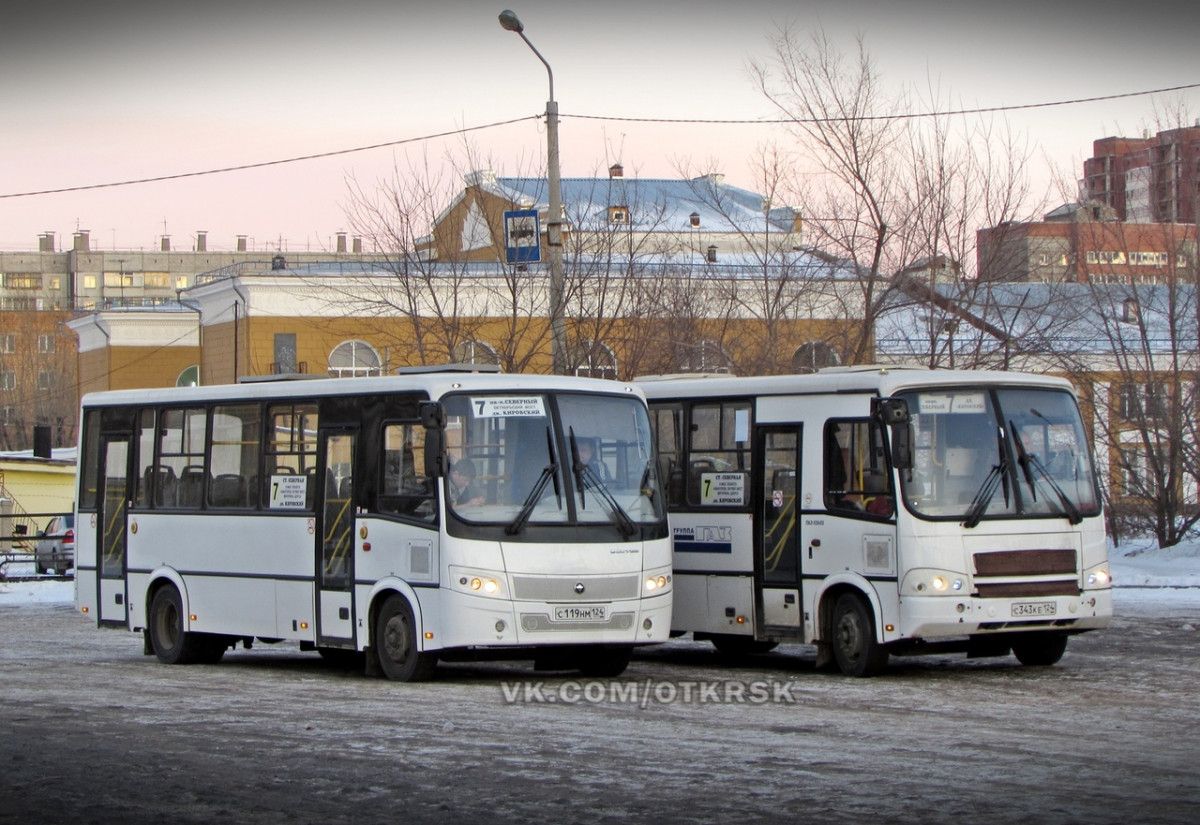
pixel 1149 179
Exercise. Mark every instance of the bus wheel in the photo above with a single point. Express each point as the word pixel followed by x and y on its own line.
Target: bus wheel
pixel 171 643
pixel 730 645
pixel 604 662
pixel 396 643
pixel 1040 649
pixel 854 646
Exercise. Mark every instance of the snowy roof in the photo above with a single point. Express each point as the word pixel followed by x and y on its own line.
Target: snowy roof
pixel 1043 317
pixel 664 205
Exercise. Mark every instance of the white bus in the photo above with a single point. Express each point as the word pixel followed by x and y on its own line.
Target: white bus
pixel 409 517
pixel 871 511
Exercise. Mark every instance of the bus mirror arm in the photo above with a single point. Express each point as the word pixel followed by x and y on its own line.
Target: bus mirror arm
pixel 902 439
pixel 435 453
pixel 433 415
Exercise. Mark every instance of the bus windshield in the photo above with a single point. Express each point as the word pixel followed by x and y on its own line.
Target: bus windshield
pixel 511 464
pixel 983 453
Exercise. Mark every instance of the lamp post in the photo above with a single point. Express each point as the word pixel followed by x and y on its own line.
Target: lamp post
pixel 554 236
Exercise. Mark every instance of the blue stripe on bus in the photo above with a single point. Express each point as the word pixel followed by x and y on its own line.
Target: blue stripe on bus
pixel 702 546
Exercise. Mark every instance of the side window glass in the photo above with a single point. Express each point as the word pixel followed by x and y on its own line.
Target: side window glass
pixel 235 437
pixel 181 469
pixel 290 457
pixel 406 490
pixel 665 422
pixel 857 480
pixel 145 472
pixel 89 481
pixel 718 469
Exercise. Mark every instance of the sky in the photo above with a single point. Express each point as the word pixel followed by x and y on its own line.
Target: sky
pixel 101 92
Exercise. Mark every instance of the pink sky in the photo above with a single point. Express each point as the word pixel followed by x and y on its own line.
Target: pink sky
pixel 105 92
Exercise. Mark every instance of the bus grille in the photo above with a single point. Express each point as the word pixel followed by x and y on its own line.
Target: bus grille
pixel 563 588
pixel 1006 574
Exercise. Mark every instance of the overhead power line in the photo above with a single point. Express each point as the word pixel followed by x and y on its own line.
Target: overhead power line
pixel 261 164
pixel 760 122
pixel 899 116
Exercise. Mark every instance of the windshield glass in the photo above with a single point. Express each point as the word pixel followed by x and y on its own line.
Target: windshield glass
pixel 966 462
pixel 498 448
pixel 611 439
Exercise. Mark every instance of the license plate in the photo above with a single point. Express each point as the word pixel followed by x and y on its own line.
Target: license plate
pixel 581 613
pixel 1023 609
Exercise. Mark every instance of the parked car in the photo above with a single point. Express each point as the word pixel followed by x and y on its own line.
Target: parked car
pixel 55 549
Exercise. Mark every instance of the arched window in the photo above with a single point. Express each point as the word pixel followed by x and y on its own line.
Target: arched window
pixel 353 359
pixel 706 356
pixel 474 352
pixel 594 360
pixel 813 356
pixel 190 377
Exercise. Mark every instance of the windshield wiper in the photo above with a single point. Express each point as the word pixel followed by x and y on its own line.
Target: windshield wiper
pixel 1029 461
pixel 983 497
pixel 550 471
pixel 586 477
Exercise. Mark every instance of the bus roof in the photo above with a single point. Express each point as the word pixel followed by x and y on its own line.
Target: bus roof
pixel 881 380
pixel 435 385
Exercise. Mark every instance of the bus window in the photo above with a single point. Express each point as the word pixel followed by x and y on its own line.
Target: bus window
pixel 406 490
pixel 89 481
pixel 665 423
pixel 145 472
pixel 234 453
pixel 291 450
pixel 856 474
pixel 719 455
pixel 181 455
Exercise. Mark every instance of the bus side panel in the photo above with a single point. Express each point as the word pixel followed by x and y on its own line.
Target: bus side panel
pixel 247 557
pixel 389 548
pixel 712 542
pixel 86 568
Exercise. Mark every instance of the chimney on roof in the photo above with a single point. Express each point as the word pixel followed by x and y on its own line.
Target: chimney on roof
pixel 356 245
pixel 41 441
pixel 616 171
pixel 201 241
pixel 82 241
pixel 341 243
pixel 165 243
pixel 241 243
pixel 46 242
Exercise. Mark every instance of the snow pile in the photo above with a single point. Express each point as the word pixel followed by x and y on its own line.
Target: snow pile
pixel 1140 563
pixel 36 592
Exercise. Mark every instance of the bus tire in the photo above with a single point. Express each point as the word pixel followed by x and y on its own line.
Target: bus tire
pixel 171 643
pixel 853 637
pixel 1039 649
pixel 729 645
pixel 395 643
pixel 604 662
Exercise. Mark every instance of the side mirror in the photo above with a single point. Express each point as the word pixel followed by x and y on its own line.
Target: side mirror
pixel 902 446
pixel 433 415
pixel 890 411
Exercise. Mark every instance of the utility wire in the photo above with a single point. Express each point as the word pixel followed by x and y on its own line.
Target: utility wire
pixel 261 164
pixel 422 138
pixel 900 116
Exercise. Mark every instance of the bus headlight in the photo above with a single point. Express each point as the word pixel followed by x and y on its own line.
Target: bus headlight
pixel 926 582
pixel 656 582
pixel 1098 577
pixel 477 582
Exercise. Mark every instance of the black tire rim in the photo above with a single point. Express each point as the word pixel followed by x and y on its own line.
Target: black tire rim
pixel 397 643
pixel 849 636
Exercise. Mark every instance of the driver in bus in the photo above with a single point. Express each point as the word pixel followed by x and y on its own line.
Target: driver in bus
pixel 586 449
pixel 464 489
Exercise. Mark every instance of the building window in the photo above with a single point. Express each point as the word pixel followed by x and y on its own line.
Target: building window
pixel 1137 401
pixel 353 359
pixel 618 214
pixel 190 377
pixel 8 380
pixel 595 360
pixel 813 356
pixel 707 356
pixel 118 279
pixel 157 280
pixel 45 343
pixel 8 343
pixel 181 282
pixel 89 281
pixel 474 352
pixel 23 280
pixel 8 415
pixel 285 362
pixel 45 380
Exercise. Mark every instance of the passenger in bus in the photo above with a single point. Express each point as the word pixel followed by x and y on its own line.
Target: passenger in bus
pixel 875 494
pixel 464 489
pixel 586 449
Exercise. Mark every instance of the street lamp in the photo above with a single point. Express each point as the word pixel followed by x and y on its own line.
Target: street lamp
pixel 510 22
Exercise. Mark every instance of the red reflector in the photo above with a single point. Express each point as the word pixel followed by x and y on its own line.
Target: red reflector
pixel 69 537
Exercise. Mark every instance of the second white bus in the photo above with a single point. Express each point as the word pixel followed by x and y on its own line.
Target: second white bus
pixel 872 511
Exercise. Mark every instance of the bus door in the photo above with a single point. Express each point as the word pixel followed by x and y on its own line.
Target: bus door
pixel 111 535
pixel 777 532
pixel 335 537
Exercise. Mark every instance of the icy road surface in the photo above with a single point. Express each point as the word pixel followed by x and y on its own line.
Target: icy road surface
pixel 91 731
